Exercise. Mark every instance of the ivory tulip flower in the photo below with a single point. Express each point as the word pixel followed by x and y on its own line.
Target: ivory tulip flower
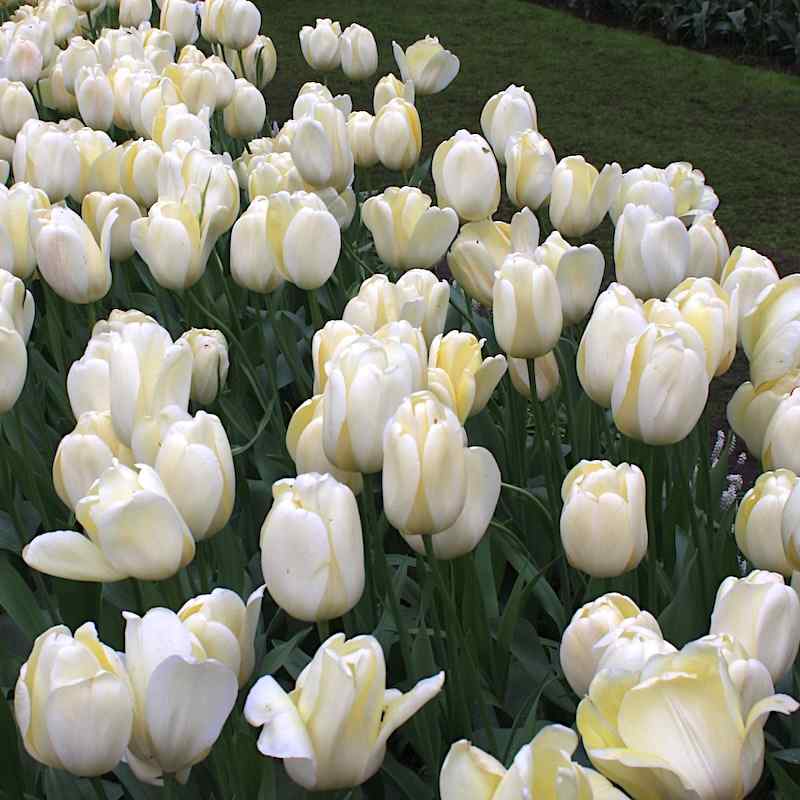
pixel 748 273
pixel 530 161
pixel 131 169
pixel 527 308
pixel 179 17
pixel 359 133
pixel 692 196
pixel 304 443
pixel 17 204
pixel 174 122
pixel 662 386
pixel 309 96
pixel 325 344
pixel 23 61
pixel 62 16
pixel 321 45
pixel 269 174
pixel 389 87
pixel 13 367
pixel 91 145
pixel 232 23
pixel 459 377
pixel 244 116
pixel 321 150
pixel 427 64
pixel 604 519
pixel 182 696
pixel 95 210
pixel 196 85
pixel 763 614
pixel 778 449
pixel 85 454
pixel 397 135
pixel 312 548
pixel 133 12
pixel 46 157
pixel 248 266
pixel 466 176
pixel 547 376
pixel 543 769
pixel 16 107
pixel 408 339
pixel 209 363
pixel 225 627
pixel 581 196
pixel 73 702
pixel 578 271
pixel 480 249
pixel 683 727
pixel 628 648
pixel 708 248
pixel 116 544
pixel 332 729
pixel 407 230
pixel 17 309
pixel 644 186
pixel 196 452
pixel 80 52
pixel 359 53
pixel 581 650
pixel 379 301
pixel 423 285
pixel 259 59
pixel 507 114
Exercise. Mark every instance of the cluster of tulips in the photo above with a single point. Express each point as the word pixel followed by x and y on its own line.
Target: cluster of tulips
pixel 132 149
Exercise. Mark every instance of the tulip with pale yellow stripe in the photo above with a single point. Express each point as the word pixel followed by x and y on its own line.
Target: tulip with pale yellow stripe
pixel 428 64
pixel 530 162
pixel 506 114
pixel 397 134
pixel 749 273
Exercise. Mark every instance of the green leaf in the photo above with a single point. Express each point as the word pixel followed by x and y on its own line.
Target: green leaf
pixel 19 601
pixel 407 781
pixel 280 656
pixel 10 763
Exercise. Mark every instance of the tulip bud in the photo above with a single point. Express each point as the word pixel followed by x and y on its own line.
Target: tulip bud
pixel 183 695
pixel 581 196
pixel 133 12
pixel 662 386
pixel 74 703
pixel 763 615
pixel 209 363
pixel 321 45
pixel 397 135
pixel 527 308
pixel 84 455
pixel 604 519
pixel 97 207
pixel 321 150
pixel 359 134
pixel 580 649
pixel 748 273
pixel 379 302
pixel 692 196
pixel 332 729
pixel 547 376
pixel 388 88
pixel 427 64
pixel 16 107
pixel 708 248
pixel 359 53
pixel 422 285
pixel 312 549
pixel 249 268
pixel 232 23
pixel 116 545
pixel 644 186
pixel 530 162
pixel 259 59
pixel 505 115
pixel 23 61
pixel 466 176
pixel 244 116
pixel 179 17
pixel 62 17
pixel 47 158
pixel 225 628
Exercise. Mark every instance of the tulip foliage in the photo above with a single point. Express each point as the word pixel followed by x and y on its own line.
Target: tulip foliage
pixel 338 460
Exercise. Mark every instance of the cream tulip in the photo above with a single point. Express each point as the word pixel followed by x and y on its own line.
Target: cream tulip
pixel 526 308
pixel 507 114
pixel 312 548
pixel 133 12
pixel 232 23
pixel 309 96
pixel 54 95
pixel 174 122
pixel 778 449
pixel 13 367
pixel 662 386
pixel 790 529
pixel 62 17
pixel 73 702
pixel 16 107
pixel 259 59
pixel 116 544
pixel 79 53
pixel 209 363
pixel 547 376
pixel 321 149
pixel 245 115
pixel 179 17
pixel 225 627
pixel 427 64
pixel 688 726
pixel 182 696
pixel 466 176
pixel 748 273
pixel 379 301
pixel 196 85
pixel 359 133
pixel 17 255
pixel 46 157
pixel 397 135
pixel 423 285
pixel 581 651
pixel 530 161
pixel 130 169
pixel 248 266
pixel 644 186
pixel 23 61
pixel 407 231
pixel 388 88
pixel 763 614
pixel 325 343
pixel 628 648
pixel 604 519
pixel 97 207
pixel 408 339
pixel 692 196
pixel 358 51
pixel 17 308
pixel 332 729
pixel 708 248
pixel 91 145
pixel 272 173
pixel 321 45
pixel 88 381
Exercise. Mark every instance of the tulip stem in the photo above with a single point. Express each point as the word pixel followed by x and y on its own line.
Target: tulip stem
pixel 97 785
pixel 316 311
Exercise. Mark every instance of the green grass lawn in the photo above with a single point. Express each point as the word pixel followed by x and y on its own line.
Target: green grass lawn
pixel 605 93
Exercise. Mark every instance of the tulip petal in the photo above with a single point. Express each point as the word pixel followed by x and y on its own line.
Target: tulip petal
pixel 433 234
pixel 469 774
pixel 402 708
pixel 402 63
pixel 70 555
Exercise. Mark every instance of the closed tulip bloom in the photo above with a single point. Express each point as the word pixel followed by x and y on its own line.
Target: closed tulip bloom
pixel 459 377
pixel 183 696
pixel 54 95
pixel 97 207
pixel 259 59
pixel 380 301
pixel 759 520
pixel 179 17
pixel 397 135
pixel 321 150
pixel 116 545
pixel 131 169
pixel 427 64
pixel 309 96
pixel 662 386
pixel 359 132
pixel 134 12
pixel 410 341
pixel 359 53
pixel 88 381
pixel 244 116
pixel 16 107
pixel 530 161
pixel 644 186
pixel 748 273
pixel 617 318
pixel 79 53
pixel 407 230
pixel 13 367
pixel 763 614
pixel 249 268
pixel 321 45
pixel 466 176
pixel 708 248
pixel 683 727
pixel 17 204
pixel 324 346
pixel 332 729
pixel 233 23
pixel 196 85
pixel 225 627
pixel 578 271
pixel 23 61
pixel 91 145
pixel 506 114
pixel 47 158
pixel 435 296
pixel 304 443
pixel 547 376
pixel 388 88
pixel 527 308
pixel 692 196
pixel 62 17
pixel 84 455
pixel 628 648
pixel 367 381
pixel 272 173
pixel 604 520
pixel 481 247
pixel 651 254
pixel 312 549
pixel 778 449
pixel 209 363
pixel 174 122
pixel 73 702
pixel 224 80
pixel 580 650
